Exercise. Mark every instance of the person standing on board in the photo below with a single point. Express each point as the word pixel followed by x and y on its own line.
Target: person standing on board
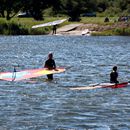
pixel 50 64
pixel 114 75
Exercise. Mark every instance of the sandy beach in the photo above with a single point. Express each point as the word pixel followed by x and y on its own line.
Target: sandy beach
pixel 88 29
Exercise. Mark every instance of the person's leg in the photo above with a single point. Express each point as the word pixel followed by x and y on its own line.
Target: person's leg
pixel 50 76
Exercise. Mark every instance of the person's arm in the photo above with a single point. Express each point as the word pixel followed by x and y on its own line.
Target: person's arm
pixel 45 65
pixel 54 64
pixel 117 74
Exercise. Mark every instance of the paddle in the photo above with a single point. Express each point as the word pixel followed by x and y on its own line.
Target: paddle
pixel 128 82
pixel 14 73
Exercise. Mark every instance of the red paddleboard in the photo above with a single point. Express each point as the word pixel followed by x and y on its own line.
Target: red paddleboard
pixel 102 85
pixel 119 85
pixel 26 74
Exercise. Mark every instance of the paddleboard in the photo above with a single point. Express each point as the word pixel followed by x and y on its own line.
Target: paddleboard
pixel 30 73
pixel 102 85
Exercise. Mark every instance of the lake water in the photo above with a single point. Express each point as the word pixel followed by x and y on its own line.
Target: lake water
pixel 38 104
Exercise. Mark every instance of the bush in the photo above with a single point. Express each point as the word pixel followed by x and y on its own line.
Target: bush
pixel 40 31
pixel 16 29
pixel 9 28
pixel 112 12
pixel 122 31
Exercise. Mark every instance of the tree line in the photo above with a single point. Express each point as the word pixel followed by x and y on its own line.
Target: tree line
pixel 70 8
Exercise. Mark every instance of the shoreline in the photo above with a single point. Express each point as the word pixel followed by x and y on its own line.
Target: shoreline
pixel 87 27
pixel 94 29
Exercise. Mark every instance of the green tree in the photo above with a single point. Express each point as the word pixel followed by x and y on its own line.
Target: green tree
pixel 9 8
pixel 74 8
pixel 35 8
pixel 102 5
pixel 122 4
pixel 2 8
pixel 57 6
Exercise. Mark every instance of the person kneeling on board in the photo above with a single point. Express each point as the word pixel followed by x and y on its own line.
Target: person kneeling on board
pixel 114 75
pixel 50 64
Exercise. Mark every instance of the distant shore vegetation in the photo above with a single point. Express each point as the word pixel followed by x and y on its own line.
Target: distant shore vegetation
pixel 17 17
pixel 23 26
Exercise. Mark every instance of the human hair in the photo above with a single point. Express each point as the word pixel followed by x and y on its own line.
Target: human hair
pixel 115 68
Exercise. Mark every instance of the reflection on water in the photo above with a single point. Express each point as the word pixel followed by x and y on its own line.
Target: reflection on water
pixel 42 105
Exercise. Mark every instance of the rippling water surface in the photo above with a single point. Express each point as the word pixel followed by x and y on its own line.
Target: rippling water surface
pixel 37 104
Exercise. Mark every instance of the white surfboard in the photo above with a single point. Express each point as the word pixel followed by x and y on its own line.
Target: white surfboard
pixel 49 23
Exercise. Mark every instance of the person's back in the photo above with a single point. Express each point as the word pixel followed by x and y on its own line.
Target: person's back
pixel 50 64
pixel 114 75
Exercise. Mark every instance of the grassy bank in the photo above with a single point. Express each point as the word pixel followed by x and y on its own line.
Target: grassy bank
pixel 115 32
pixel 113 27
pixel 23 26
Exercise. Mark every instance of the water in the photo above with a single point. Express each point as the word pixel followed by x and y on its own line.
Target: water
pixel 37 104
